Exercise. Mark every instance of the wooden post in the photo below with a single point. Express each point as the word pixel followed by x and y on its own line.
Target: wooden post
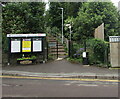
pixel 43 40
pixel 57 48
pixel 85 45
pixel 47 50
pixel 69 48
pixel 9 50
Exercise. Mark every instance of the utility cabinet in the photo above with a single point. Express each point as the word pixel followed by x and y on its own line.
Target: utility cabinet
pixel 114 51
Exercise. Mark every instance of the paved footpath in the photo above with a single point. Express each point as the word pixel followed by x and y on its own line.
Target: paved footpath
pixel 61 68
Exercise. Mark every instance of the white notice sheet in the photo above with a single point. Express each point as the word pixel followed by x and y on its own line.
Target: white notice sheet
pixel 37 45
pixel 15 46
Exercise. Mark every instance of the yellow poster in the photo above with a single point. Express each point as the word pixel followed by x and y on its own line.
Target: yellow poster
pixel 26 45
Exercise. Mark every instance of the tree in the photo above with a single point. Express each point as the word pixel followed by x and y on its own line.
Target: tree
pixel 93 14
pixel 23 17
pixel 54 16
pixel 118 26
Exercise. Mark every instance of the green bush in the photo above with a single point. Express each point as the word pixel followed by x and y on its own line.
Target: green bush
pixel 76 53
pixel 4 43
pixel 75 60
pixel 97 50
pixel 77 50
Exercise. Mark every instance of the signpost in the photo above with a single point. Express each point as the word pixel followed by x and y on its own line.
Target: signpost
pixel 52 44
pixel 26 43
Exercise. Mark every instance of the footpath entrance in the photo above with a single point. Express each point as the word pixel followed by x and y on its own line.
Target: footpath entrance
pixel 55 48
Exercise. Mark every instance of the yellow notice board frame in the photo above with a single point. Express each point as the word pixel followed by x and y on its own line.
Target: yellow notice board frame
pixel 26 45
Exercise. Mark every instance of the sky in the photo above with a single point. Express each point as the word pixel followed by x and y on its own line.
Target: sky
pixel 115 2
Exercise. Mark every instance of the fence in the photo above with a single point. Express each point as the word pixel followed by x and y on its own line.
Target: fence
pixel 65 40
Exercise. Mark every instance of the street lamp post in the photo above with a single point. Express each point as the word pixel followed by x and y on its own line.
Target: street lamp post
pixel 69 44
pixel 62 24
pixel 70 32
pixel 69 26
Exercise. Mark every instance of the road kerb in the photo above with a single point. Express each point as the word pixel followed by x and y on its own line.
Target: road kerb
pixel 52 78
pixel 70 76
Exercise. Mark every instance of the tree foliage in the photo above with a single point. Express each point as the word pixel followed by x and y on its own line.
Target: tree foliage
pixel 118 26
pixel 97 49
pixel 55 14
pixel 30 17
pixel 23 17
pixel 93 14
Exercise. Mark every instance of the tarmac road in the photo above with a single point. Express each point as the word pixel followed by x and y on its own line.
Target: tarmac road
pixel 13 87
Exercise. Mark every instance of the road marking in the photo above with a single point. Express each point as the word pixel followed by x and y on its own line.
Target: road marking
pixel 52 78
pixel 5 85
pixel 87 85
pixel 114 68
pixel 67 84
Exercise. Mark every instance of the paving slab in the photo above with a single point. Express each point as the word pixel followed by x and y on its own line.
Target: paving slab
pixel 62 68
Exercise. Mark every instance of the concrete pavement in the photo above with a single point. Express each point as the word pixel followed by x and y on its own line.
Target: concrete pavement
pixel 61 68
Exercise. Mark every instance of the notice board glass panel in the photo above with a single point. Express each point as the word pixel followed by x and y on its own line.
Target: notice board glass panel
pixel 26 45
pixel 37 45
pixel 15 45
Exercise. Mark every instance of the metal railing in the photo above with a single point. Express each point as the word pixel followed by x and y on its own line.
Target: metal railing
pixel 58 36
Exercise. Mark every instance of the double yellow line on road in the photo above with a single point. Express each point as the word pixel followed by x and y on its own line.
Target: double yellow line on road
pixel 54 78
